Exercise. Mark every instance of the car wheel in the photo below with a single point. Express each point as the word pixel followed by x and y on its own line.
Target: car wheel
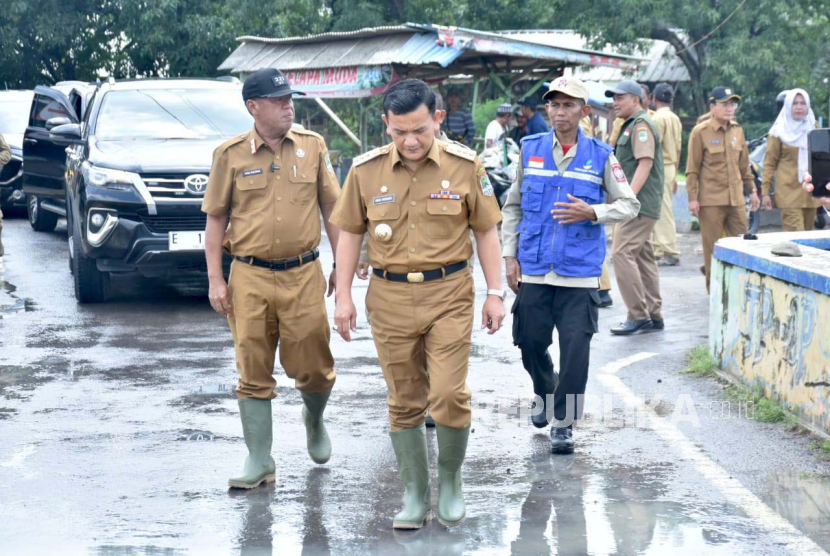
pixel 91 285
pixel 40 220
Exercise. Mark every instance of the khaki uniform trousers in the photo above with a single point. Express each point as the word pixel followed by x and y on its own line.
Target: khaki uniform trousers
pixel 638 277
pixel 422 326
pixel 285 308
pixel 792 219
pixel 605 278
pixel 714 221
pixel 665 231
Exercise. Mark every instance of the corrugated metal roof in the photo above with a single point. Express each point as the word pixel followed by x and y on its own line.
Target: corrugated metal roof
pixel 410 44
pixel 662 65
pixel 410 48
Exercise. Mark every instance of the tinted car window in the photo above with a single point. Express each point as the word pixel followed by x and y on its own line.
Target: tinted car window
pixel 14 116
pixel 172 114
pixel 46 108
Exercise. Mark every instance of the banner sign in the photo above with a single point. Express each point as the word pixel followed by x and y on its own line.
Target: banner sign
pixel 346 82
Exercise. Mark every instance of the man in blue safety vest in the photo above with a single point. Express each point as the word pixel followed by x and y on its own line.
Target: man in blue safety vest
pixel 567 187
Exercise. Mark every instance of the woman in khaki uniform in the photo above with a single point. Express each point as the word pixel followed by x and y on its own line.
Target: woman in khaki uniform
pixel 786 161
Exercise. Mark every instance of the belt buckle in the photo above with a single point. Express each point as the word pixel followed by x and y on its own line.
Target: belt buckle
pixel 415 277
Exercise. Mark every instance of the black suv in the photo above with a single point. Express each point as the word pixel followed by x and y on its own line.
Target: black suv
pixel 14 108
pixel 136 171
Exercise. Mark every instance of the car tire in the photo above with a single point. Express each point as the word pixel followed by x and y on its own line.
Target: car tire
pixel 40 220
pixel 91 285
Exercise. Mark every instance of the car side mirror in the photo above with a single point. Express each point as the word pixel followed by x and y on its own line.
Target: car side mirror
pixel 66 131
pixel 52 123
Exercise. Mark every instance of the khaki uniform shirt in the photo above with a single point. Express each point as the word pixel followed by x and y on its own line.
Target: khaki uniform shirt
pixel 670 129
pixel 273 197
pixel 5 152
pixel 717 165
pixel 623 205
pixel 429 210
pixel 781 162
pixel 618 123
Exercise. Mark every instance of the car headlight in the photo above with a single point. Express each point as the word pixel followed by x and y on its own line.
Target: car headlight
pixel 104 177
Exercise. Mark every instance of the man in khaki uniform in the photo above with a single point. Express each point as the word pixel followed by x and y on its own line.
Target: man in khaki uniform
pixel 418 197
pixel 604 280
pixel 718 173
pixel 641 156
pixel 5 157
pixel 670 130
pixel 272 183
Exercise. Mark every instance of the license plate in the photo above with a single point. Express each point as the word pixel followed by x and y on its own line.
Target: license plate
pixel 186 241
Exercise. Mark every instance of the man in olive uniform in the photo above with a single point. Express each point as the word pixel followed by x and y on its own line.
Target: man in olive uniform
pixel 567 188
pixel 718 174
pixel 272 183
pixel 670 130
pixel 418 197
pixel 640 154
pixel 5 157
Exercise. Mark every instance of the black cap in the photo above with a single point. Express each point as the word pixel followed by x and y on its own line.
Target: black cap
pixel 663 92
pixel 267 83
pixel 532 102
pixel 722 94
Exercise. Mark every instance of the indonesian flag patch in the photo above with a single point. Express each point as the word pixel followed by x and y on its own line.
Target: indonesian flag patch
pixel 536 162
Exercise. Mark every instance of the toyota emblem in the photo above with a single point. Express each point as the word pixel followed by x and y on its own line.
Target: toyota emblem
pixel 196 184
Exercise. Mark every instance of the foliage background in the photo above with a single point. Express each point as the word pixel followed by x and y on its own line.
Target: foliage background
pixel 759 47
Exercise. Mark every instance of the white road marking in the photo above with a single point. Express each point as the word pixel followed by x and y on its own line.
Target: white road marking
pixel 782 531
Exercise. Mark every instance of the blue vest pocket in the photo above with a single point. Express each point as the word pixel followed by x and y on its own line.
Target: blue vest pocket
pixel 588 192
pixel 583 247
pixel 530 236
pixel 532 193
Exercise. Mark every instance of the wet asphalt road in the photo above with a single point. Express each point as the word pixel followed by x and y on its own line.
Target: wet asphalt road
pixel 119 428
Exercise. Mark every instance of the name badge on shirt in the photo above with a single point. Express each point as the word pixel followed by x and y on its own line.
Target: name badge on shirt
pixel 252 172
pixel 383 199
pixel 714 141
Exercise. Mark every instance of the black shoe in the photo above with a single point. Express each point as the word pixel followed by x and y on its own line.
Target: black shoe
pixel 658 324
pixel 605 299
pixel 430 422
pixel 539 421
pixel 630 327
pixel 668 260
pixel 561 440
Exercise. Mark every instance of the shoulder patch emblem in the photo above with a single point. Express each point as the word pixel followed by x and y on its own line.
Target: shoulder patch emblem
pixel 366 157
pixel 484 181
pixel 642 136
pixel 617 170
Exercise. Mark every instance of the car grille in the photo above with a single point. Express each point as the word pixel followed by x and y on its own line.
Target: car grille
pixel 164 224
pixel 168 186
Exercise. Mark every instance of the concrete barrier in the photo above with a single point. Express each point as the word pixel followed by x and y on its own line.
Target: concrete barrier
pixel 769 319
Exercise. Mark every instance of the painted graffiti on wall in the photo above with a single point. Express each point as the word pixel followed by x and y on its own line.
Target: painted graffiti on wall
pixel 795 332
pixel 771 332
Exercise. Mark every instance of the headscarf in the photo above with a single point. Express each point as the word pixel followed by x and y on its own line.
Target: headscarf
pixel 794 132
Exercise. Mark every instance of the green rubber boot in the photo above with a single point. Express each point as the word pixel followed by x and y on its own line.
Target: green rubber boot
pixel 411 452
pixel 257 429
pixel 452 447
pixel 317 439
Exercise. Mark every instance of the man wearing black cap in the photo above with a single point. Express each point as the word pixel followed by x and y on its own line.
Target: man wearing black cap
pixel 640 154
pixel 718 174
pixel 535 122
pixel 271 184
pixel 670 129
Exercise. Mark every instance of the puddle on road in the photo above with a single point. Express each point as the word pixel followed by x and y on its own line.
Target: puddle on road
pixel 11 304
pixel 207 398
pixel 804 501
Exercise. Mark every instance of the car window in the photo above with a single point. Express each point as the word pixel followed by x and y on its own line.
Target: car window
pixel 14 116
pixel 46 108
pixel 172 114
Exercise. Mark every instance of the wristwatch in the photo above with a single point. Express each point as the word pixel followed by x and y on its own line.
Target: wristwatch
pixel 502 294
